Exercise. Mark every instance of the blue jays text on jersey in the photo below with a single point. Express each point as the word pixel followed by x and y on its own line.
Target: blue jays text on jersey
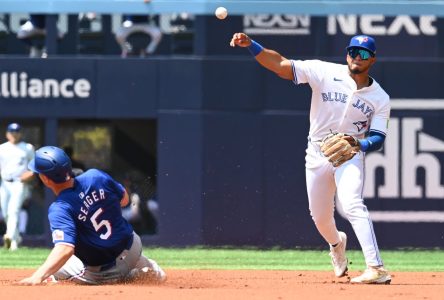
pixel 361 105
pixel 334 96
pixel 341 97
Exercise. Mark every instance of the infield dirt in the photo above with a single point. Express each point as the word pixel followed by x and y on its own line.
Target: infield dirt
pixel 235 284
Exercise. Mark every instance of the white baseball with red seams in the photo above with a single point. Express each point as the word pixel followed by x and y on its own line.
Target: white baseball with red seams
pixel 221 12
pixel 337 105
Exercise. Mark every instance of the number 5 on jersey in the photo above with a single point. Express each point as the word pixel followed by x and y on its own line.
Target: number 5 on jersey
pixel 98 225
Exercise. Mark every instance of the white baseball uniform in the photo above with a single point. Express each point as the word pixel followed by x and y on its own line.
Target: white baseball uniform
pixel 14 160
pixel 338 106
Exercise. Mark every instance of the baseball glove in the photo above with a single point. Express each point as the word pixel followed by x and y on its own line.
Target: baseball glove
pixel 339 148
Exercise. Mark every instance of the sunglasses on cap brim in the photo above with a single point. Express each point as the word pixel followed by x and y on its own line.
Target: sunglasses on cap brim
pixel 364 54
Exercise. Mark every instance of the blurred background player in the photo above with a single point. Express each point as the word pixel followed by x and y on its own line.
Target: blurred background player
pixel 138 24
pixel 15 155
pixel 32 29
pixel 142 213
pixel 93 243
pixel 33 32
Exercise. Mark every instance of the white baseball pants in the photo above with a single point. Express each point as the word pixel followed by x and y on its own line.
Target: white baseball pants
pixel 346 182
pixel 75 270
pixel 12 195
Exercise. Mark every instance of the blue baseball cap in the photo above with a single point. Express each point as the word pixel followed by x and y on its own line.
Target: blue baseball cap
pixel 13 127
pixel 363 41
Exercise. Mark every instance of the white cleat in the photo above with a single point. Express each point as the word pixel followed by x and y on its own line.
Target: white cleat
pixel 14 244
pixel 373 275
pixel 153 273
pixel 338 258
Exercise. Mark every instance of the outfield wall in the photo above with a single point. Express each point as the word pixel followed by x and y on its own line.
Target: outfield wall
pixel 231 140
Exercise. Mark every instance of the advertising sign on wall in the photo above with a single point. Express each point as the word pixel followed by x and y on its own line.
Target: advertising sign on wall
pixel 408 175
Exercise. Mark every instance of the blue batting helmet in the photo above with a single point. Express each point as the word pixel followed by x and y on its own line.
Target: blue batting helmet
pixel 13 127
pixel 53 163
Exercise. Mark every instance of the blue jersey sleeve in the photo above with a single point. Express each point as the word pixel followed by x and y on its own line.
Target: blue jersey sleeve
pixel 62 224
pixel 114 185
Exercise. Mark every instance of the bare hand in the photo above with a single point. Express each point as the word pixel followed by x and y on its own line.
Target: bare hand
pixel 29 281
pixel 241 40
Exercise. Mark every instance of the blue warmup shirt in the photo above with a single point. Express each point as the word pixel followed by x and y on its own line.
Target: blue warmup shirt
pixel 89 216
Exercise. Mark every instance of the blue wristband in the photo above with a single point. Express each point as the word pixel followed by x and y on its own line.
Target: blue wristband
pixel 255 48
pixel 373 142
pixel 364 144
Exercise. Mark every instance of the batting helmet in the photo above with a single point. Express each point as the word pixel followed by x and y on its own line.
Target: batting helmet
pixel 53 163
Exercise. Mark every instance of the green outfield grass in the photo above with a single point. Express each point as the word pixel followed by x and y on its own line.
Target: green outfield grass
pixel 227 258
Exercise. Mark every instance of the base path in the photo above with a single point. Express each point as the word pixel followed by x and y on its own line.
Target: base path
pixel 234 284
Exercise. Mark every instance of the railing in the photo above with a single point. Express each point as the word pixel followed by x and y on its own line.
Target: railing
pixel 236 7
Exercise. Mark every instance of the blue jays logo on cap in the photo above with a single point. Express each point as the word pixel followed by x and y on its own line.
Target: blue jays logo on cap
pixel 364 42
pixel 362 39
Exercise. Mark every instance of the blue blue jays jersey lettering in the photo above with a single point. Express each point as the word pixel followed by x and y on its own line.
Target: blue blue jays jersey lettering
pixel 89 216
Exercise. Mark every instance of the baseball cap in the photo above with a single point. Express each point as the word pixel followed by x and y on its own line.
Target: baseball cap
pixel 13 127
pixel 363 41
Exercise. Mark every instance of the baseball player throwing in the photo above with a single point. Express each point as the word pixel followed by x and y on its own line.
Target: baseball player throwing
pixel 14 157
pixel 348 117
pixel 93 243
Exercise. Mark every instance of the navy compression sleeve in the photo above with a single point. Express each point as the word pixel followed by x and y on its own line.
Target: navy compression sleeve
pixel 373 142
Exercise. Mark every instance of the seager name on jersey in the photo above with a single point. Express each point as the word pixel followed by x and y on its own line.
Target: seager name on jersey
pixel 334 96
pixel 88 200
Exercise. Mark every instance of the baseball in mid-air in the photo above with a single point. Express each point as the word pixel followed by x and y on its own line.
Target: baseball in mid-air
pixel 221 12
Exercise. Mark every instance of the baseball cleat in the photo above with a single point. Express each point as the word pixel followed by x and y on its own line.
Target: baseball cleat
pixel 338 258
pixel 153 273
pixel 6 242
pixel 15 243
pixel 373 275
pixel 50 280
